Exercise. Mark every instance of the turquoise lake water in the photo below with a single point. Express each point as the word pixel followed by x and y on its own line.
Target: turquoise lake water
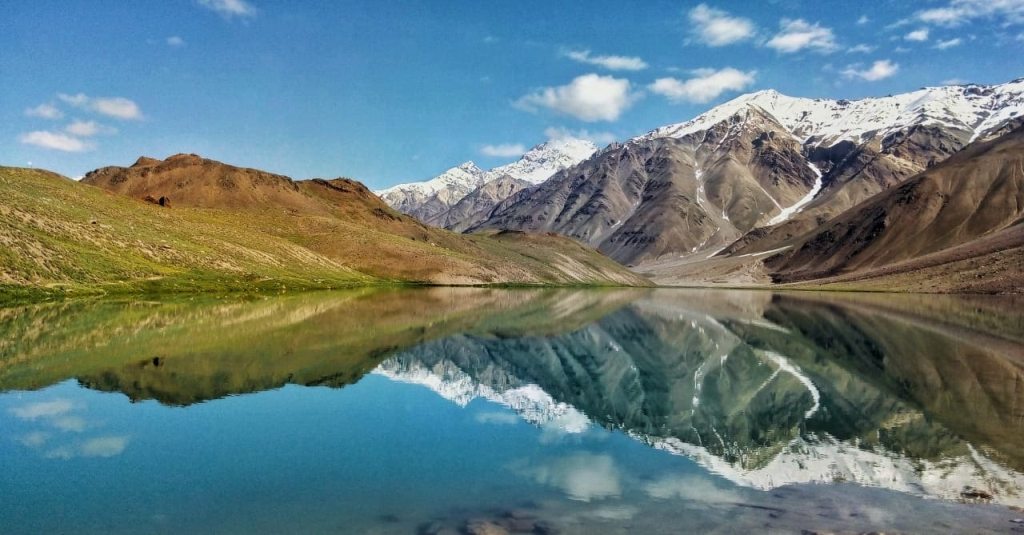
pixel 530 411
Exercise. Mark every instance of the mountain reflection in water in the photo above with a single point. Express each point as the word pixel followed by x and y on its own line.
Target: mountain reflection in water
pixel 919 394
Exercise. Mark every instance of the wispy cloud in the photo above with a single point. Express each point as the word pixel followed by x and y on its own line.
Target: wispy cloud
pixel 230 8
pixel 589 98
pixel 860 49
pixel 45 111
pixel 88 128
pixel 597 138
pixel 958 12
pixel 879 70
pixel 116 107
pixel 175 41
pixel 503 150
pixel 714 27
pixel 704 86
pixel 863 20
pixel 950 43
pixel 612 63
pixel 796 35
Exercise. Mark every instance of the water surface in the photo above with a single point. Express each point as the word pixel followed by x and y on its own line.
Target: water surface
pixel 534 411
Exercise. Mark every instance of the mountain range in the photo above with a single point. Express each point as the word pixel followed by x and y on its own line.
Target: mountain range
pixel 715 198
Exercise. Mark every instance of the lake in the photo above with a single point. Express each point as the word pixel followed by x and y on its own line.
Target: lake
pixel 448 410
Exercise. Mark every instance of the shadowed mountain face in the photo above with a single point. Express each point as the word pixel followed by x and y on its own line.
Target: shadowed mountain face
pixel 919 394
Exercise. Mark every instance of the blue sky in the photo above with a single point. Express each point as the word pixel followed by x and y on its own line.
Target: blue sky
pixel 395 91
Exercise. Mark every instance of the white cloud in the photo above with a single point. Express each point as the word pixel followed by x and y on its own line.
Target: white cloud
pixel 104 446
pixel 43 409
pixel 175 41
pixel 88 128
pixel 879 70
pixel 504 150
pixel 108 446
pixel 598 138
pixel 942 45
pixel 230 8
pixel 715 27
pixel 582 476
pixel 917 35
pixel 117 107
pixel 54 140
pixel 797 35
pixel 863 20
pixel 706 85
pixel 589 97
pixel 860 49
pixel 954 81
pixel 45 110
pixel 612 63
pixel 958 12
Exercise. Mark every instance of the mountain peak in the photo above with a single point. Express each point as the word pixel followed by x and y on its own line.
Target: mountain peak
pixel 469 167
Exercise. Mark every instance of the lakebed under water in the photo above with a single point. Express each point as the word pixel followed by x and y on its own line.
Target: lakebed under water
pixel 448 410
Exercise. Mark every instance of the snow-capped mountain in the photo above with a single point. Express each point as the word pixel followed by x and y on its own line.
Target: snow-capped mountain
pixel 974 108
pixel 429 200
pixel 546 159
pixel 749 174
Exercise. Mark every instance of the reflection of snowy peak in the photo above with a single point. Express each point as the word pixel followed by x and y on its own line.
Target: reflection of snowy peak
pixel 528 400
pixel 828 460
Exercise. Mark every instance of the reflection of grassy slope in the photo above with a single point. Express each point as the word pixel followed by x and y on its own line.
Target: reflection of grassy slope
pixel 60 236
pixel 900 380
pixel 209 348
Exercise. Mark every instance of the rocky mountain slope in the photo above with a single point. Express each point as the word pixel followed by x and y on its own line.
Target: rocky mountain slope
pixel 754 172
pixel 977 193
pixel 226 227
pixel 431 200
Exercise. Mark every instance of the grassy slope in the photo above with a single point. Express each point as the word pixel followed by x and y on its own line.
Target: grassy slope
pixel 58 236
